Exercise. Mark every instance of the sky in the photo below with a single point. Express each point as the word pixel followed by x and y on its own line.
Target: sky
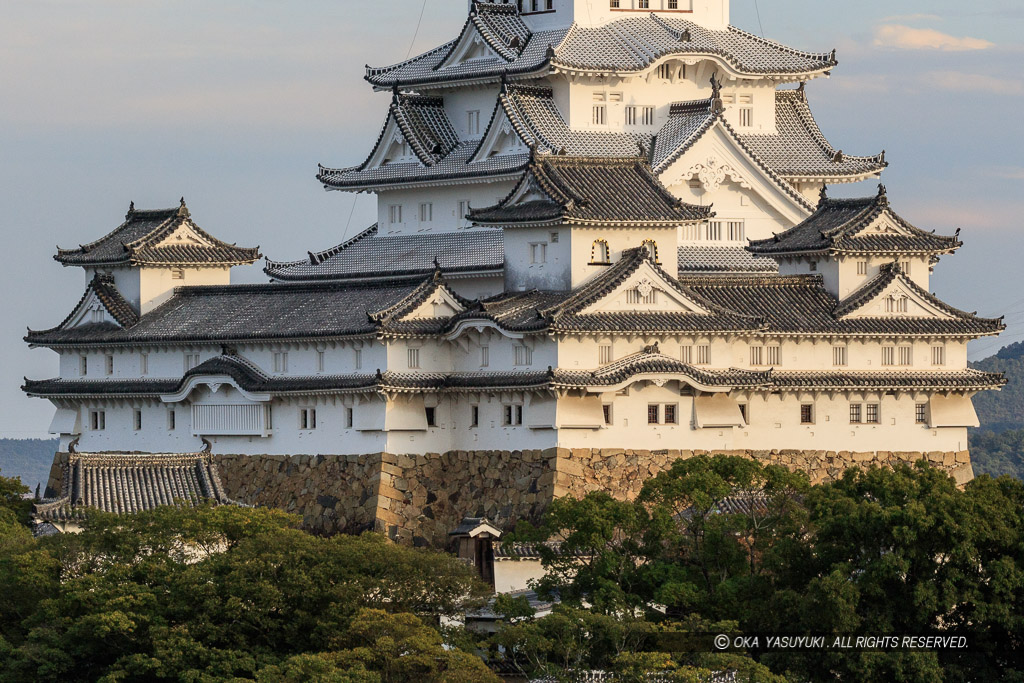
pixel 232 104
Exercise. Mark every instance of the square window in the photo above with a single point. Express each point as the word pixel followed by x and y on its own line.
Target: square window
pixel 600 115
pixel 178 274
pixel 98 420
pixel 774 355
pixel 554 238
pixel 807 414
pixel 307 418
pixel 746 117
pixel 653 414
pixel 862 267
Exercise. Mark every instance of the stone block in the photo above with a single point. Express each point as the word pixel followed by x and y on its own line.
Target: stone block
pixel 570 467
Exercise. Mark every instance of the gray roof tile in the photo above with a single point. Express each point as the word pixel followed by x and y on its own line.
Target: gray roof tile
pixel 718 259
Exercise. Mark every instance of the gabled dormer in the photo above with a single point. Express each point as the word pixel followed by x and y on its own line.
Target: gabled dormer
pixel 850 241
pixel 431 302
pixel 101 306
pixel 493 31
pixel 153 252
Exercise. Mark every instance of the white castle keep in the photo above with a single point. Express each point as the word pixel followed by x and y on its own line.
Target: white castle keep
pixel 601 224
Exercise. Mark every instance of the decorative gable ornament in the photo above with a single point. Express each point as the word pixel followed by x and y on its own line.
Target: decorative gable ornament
pixel 712 174
pixel 645 288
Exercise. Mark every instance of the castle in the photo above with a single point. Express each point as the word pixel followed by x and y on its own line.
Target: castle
pixel 604 241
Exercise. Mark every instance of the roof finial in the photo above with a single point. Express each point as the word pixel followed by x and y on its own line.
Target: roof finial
pixel 550 54
pixel 956 235
pixel 838 157
pixel 716 95
pixel 883 197
pixel 823 197
pixel 685 37
pixel 803 90
pixel 881 157
pixel 131 210
pixel 437 268
pixel 183 210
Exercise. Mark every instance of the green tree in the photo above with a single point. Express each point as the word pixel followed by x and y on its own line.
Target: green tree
pixel 12 497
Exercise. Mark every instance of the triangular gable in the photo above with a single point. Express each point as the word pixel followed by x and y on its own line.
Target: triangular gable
pixel 392 148
pixel 501 138
pixel 470 47
pixel 101 303
pixel 493 31
pixel 893 295
pixel 185 234
pixel 716 155
pixel 647 290
pixel 441 303
pixel 90 311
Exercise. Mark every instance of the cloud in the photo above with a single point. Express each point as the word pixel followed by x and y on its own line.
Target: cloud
pixel 913 17
pixel 959 81
pixel 1007 172
pixel 900 37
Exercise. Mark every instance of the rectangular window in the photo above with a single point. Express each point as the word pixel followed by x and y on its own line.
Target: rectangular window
pixel 461 219
pixel 307 418
pixel 485 356
pixel 600 115
pixel 137 420
pixel 643 4
pixel 553 238
pixel 320 358
pixel 178 274
pixel 539 252
pixel 888 355
pixel 513 415
pixel 862 267
pixel 855 413
pixel 191 361
pixel 746 117
pixel 83 365
pixel 474 416
pixel 109 365
pixel 807 414
pixel 921 413
pixel 647 116
pixel 872 414
pixel 703 354
pixel 607 410
pixel 737 231
pixel 714 231
pixel 395 214
pixel 686 354
pixel 605 354
pixel 744 412
pixel 673 4
pixel 774 355
pixel 938 355
pixel 359 359
pixel 757 355
pixel 665 72
pixel 414 358
pixel 431 416
pixel 349 417
pixel 426 212
pixel 653 414
pixel 905 267
pixel 906 356
pixel 523 355
pixel 630 116
pixel 615 97
pixel 614 4
pixel 144 364
pixel 839 356
pixel 671 414
pixel 280 361
pixel 172 422
pixel 97 420
pixel 473 122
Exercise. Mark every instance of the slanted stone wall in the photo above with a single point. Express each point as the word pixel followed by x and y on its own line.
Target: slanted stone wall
pixel 419 499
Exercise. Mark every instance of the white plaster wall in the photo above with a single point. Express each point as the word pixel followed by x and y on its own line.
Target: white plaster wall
pixel 710 13
pixel 127 281
pixel 553 274
pixel 731 203
pixel 157 286
pixel 840 273
pixel 458 102
pixel 516 575
pixel 619 240
pixel 446 206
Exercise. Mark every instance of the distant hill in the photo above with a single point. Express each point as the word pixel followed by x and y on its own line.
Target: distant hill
pixel 998 446
pixel 29 459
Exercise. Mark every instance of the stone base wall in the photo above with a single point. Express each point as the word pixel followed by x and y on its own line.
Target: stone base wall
pixel 419 499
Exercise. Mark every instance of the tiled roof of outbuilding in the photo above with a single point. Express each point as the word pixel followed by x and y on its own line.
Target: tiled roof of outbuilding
pixel 587 190
pixel 964 380
pixel 126 484
pixel 838 225
pixel 627 45
pixel 371 255
pixel 139 241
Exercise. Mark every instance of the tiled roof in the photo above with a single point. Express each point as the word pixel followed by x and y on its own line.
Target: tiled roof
pixel 137 242
pixel 801 305
pixel 425 126
pixel 965 380
pixel 107 293
pixel 243 312
pixel 126 484
pixel 634 44
pixel 838 226
pixel 626 45
pixel 800 150
pixel 651 361
pixel 716 259
pixel 455 166
pixel 373 255
pixel 587 190
pixel 534 115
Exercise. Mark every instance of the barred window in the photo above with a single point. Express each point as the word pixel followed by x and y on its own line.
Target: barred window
pixel 110 365
pixel 855 413
pixel 523 355
pixel 280 361
pixel 605 354
pixel 906 356
pixel 137 421
pixel 757 355
pixel 97 420
pixel 513 415
pixel 307 418
pixel 888 355
pixel 630 116
pixel 648 115
pixel 921 413
pixel 686 354
pixel 485 356
pixel 807 413
pixel 426 212
pixel 774 355
pixel 607 410
pixel 600 115
pixel 653 414
pixel 736 231
pixel 320 361
pixel 839 356
pixel 938 355
pixel 83 365
pixel 872 415
pixel 703 354
pixel 144 364
pixel 474 416
pixel 745 413
pixel 671 414
pixel 414 358
pixel 349 417
pixel 746 117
